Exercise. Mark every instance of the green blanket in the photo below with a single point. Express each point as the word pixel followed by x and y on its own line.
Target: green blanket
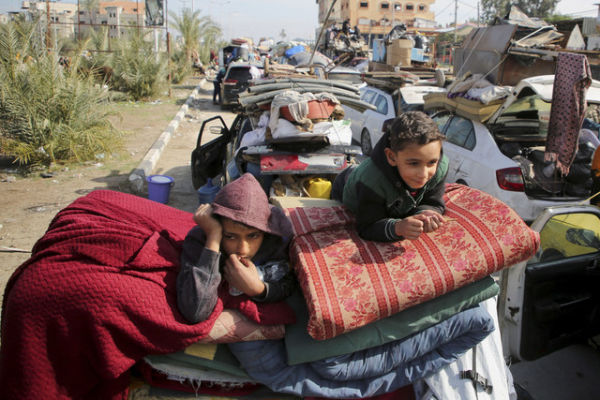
pixel 302 348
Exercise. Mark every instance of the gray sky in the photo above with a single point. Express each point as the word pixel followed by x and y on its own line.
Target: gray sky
pixel 266 18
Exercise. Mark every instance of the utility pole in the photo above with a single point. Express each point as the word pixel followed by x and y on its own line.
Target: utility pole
pixel 48 33
pixel 455 19
pixel 166 22
pixel 78 23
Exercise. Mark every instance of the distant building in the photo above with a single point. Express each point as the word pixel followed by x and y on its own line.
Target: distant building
pixel 118 16
pixel 377 17
pixel 70 20
pixel 61 16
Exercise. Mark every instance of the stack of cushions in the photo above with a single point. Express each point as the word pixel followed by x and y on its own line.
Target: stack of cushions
pixel 349 282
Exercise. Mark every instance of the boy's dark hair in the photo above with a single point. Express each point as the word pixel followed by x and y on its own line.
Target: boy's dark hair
pixel 411 127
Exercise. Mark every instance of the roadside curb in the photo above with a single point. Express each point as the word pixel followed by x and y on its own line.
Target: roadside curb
pixel 137 178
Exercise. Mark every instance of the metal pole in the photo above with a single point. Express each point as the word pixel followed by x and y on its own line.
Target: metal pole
pixel 78 23
pixel 455 19
pixel 168 47
pixel 48 33
pixel 321 32
pixel 137 15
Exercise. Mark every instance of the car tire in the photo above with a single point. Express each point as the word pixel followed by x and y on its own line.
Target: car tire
pixel 365 143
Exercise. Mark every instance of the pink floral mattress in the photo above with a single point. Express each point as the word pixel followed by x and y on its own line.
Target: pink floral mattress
pixel 349 282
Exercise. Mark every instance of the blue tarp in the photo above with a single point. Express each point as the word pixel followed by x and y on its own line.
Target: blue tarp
pixel 293 50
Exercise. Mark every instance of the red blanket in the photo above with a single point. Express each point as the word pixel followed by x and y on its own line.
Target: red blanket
pixel 97 295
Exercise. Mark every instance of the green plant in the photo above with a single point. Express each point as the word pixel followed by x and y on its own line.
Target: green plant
pixel 199 34
pixel 48 113
pixel 180 68
pixel 137 70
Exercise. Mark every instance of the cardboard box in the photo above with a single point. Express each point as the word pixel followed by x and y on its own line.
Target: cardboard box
pixel 399 52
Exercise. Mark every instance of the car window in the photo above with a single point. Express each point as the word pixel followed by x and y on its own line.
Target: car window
pixel 441 119
pixel 240 74
pixel 368 96
pixel 381 104
pixel 461 133
pixel 568 235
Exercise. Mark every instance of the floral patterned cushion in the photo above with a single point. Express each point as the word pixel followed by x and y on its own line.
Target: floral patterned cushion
pixel 349 282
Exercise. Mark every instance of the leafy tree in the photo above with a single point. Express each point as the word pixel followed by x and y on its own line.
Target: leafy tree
pixel 136 68
pixel 48 112
pixel 92 7
pixel 533 8
pixel 211 39
pixel 197 32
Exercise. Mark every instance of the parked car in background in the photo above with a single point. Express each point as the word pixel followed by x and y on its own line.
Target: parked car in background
pixel 236 80
pixel 505 155
pixel 367 126
pixel 224 158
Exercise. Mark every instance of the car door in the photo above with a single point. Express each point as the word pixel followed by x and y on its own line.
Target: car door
pixel 553 300
pixel 213 149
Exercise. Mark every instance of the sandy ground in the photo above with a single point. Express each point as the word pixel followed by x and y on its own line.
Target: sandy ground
pixel 30 203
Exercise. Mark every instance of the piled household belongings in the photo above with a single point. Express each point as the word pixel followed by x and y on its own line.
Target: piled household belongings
pixel 301 138
pixel 513 48
pixel 471 96
pixel 519 119
pixel 101 281
pixel 263 91
pixel 343 43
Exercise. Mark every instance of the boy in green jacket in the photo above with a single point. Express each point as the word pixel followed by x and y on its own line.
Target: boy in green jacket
pixel 397 193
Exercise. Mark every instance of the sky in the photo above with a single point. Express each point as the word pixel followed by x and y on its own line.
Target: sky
pixel 298 18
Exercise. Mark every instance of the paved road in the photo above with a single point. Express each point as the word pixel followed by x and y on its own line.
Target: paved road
pixel 573 373
pixel 175 158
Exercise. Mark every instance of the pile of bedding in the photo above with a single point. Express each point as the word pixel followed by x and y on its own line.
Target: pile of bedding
pixel 97 298
pixel 98 294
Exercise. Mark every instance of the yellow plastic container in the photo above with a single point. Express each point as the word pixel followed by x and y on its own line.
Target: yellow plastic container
pixel 318 187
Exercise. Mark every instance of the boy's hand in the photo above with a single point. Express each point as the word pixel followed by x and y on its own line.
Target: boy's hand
pixel 432 220
pixel 210 225
pixel 242 274
pixel 409 227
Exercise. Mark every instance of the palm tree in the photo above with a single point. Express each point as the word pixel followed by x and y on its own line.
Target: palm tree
pixel 92 7
pixel 198 33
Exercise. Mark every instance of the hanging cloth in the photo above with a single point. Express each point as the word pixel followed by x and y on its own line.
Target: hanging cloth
pixel 571 80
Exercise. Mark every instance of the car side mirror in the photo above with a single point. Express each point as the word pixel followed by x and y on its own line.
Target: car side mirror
pixel 216 130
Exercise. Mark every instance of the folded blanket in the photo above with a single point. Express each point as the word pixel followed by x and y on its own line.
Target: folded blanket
pixel 97 295
pixel 301 348
pixel 369 372
pixel 349 282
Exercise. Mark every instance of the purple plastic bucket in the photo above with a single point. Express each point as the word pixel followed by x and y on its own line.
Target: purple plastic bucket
pixel 159 187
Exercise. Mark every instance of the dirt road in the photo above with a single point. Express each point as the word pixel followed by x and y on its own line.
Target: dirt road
pixel 29 204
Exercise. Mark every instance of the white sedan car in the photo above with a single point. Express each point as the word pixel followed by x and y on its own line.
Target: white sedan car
pixel 504 156
pixel 367 126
